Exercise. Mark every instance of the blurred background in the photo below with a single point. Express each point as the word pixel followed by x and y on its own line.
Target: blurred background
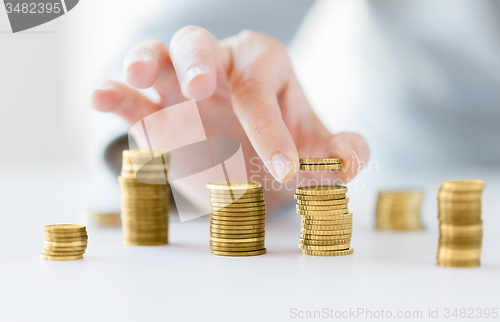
pixel 424 94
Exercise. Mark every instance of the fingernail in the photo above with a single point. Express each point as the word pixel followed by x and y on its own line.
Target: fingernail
pixel 137 57
pixel 282 165
pixel 194 72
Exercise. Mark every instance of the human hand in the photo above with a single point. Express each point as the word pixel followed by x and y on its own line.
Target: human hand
pixel 245 88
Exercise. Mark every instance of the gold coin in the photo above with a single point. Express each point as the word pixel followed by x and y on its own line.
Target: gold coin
pixel 463 185
pixel 237 223
pixel 254 244
pixel 250 253
pixel 65 228
pixel 328 253
pixel 66 235
pixel 327 228
pixel 327 232
pixel 462 254
pixel 65 240
pixel 238 218
pixel 69 244
pixel 344 201
pixel 327 222
pixel 237 205
pixel 60 258
pixel 61 253
pixel 474 196
pixel 239 214
pixel 340 196
pixel 214 226
pixel 333 166
pixel 323 248
pixel 236 185
pixel 217 235
pixel 320 161
pixel 321 190
pixel 64 249
pixel 249 194
pixel 325 237
pixel 235 249
pixel 242 240
pixel 322 212
pixel 231 200
pixel 461 229
pixel 325 218
pixel 237 231
pixel 235 210
pixel 325 242
pixel 468 205
pixel 322 208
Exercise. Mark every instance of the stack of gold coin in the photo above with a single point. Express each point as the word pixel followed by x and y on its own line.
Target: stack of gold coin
pixel 64 242
pixel 238 218
pixel 460 223
pixel 399 210
pixel 326 222
pixel 144 197
pixel 320 164
pixel 101 219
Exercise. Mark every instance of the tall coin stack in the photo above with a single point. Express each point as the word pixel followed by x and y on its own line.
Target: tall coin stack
pixel 326 222
pixel 144 205
pixel 64 242
pixel 460 223
pixel 238 218
pixel 399 210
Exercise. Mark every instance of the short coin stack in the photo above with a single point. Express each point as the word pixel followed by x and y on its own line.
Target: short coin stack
pixel 320 164
pixel 238 218
pixel 460 223
pixel 326 222
pixel 144 206
pixel 64 242
pixel 399 210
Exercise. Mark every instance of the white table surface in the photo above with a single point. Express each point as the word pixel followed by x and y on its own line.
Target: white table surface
pixel 183 281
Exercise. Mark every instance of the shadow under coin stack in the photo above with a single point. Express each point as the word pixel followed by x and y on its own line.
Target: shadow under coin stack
pixel 326 222
pixel 399 210
pixel 64 242
pixel 460 223
pixel 145 205
pixel 238 218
